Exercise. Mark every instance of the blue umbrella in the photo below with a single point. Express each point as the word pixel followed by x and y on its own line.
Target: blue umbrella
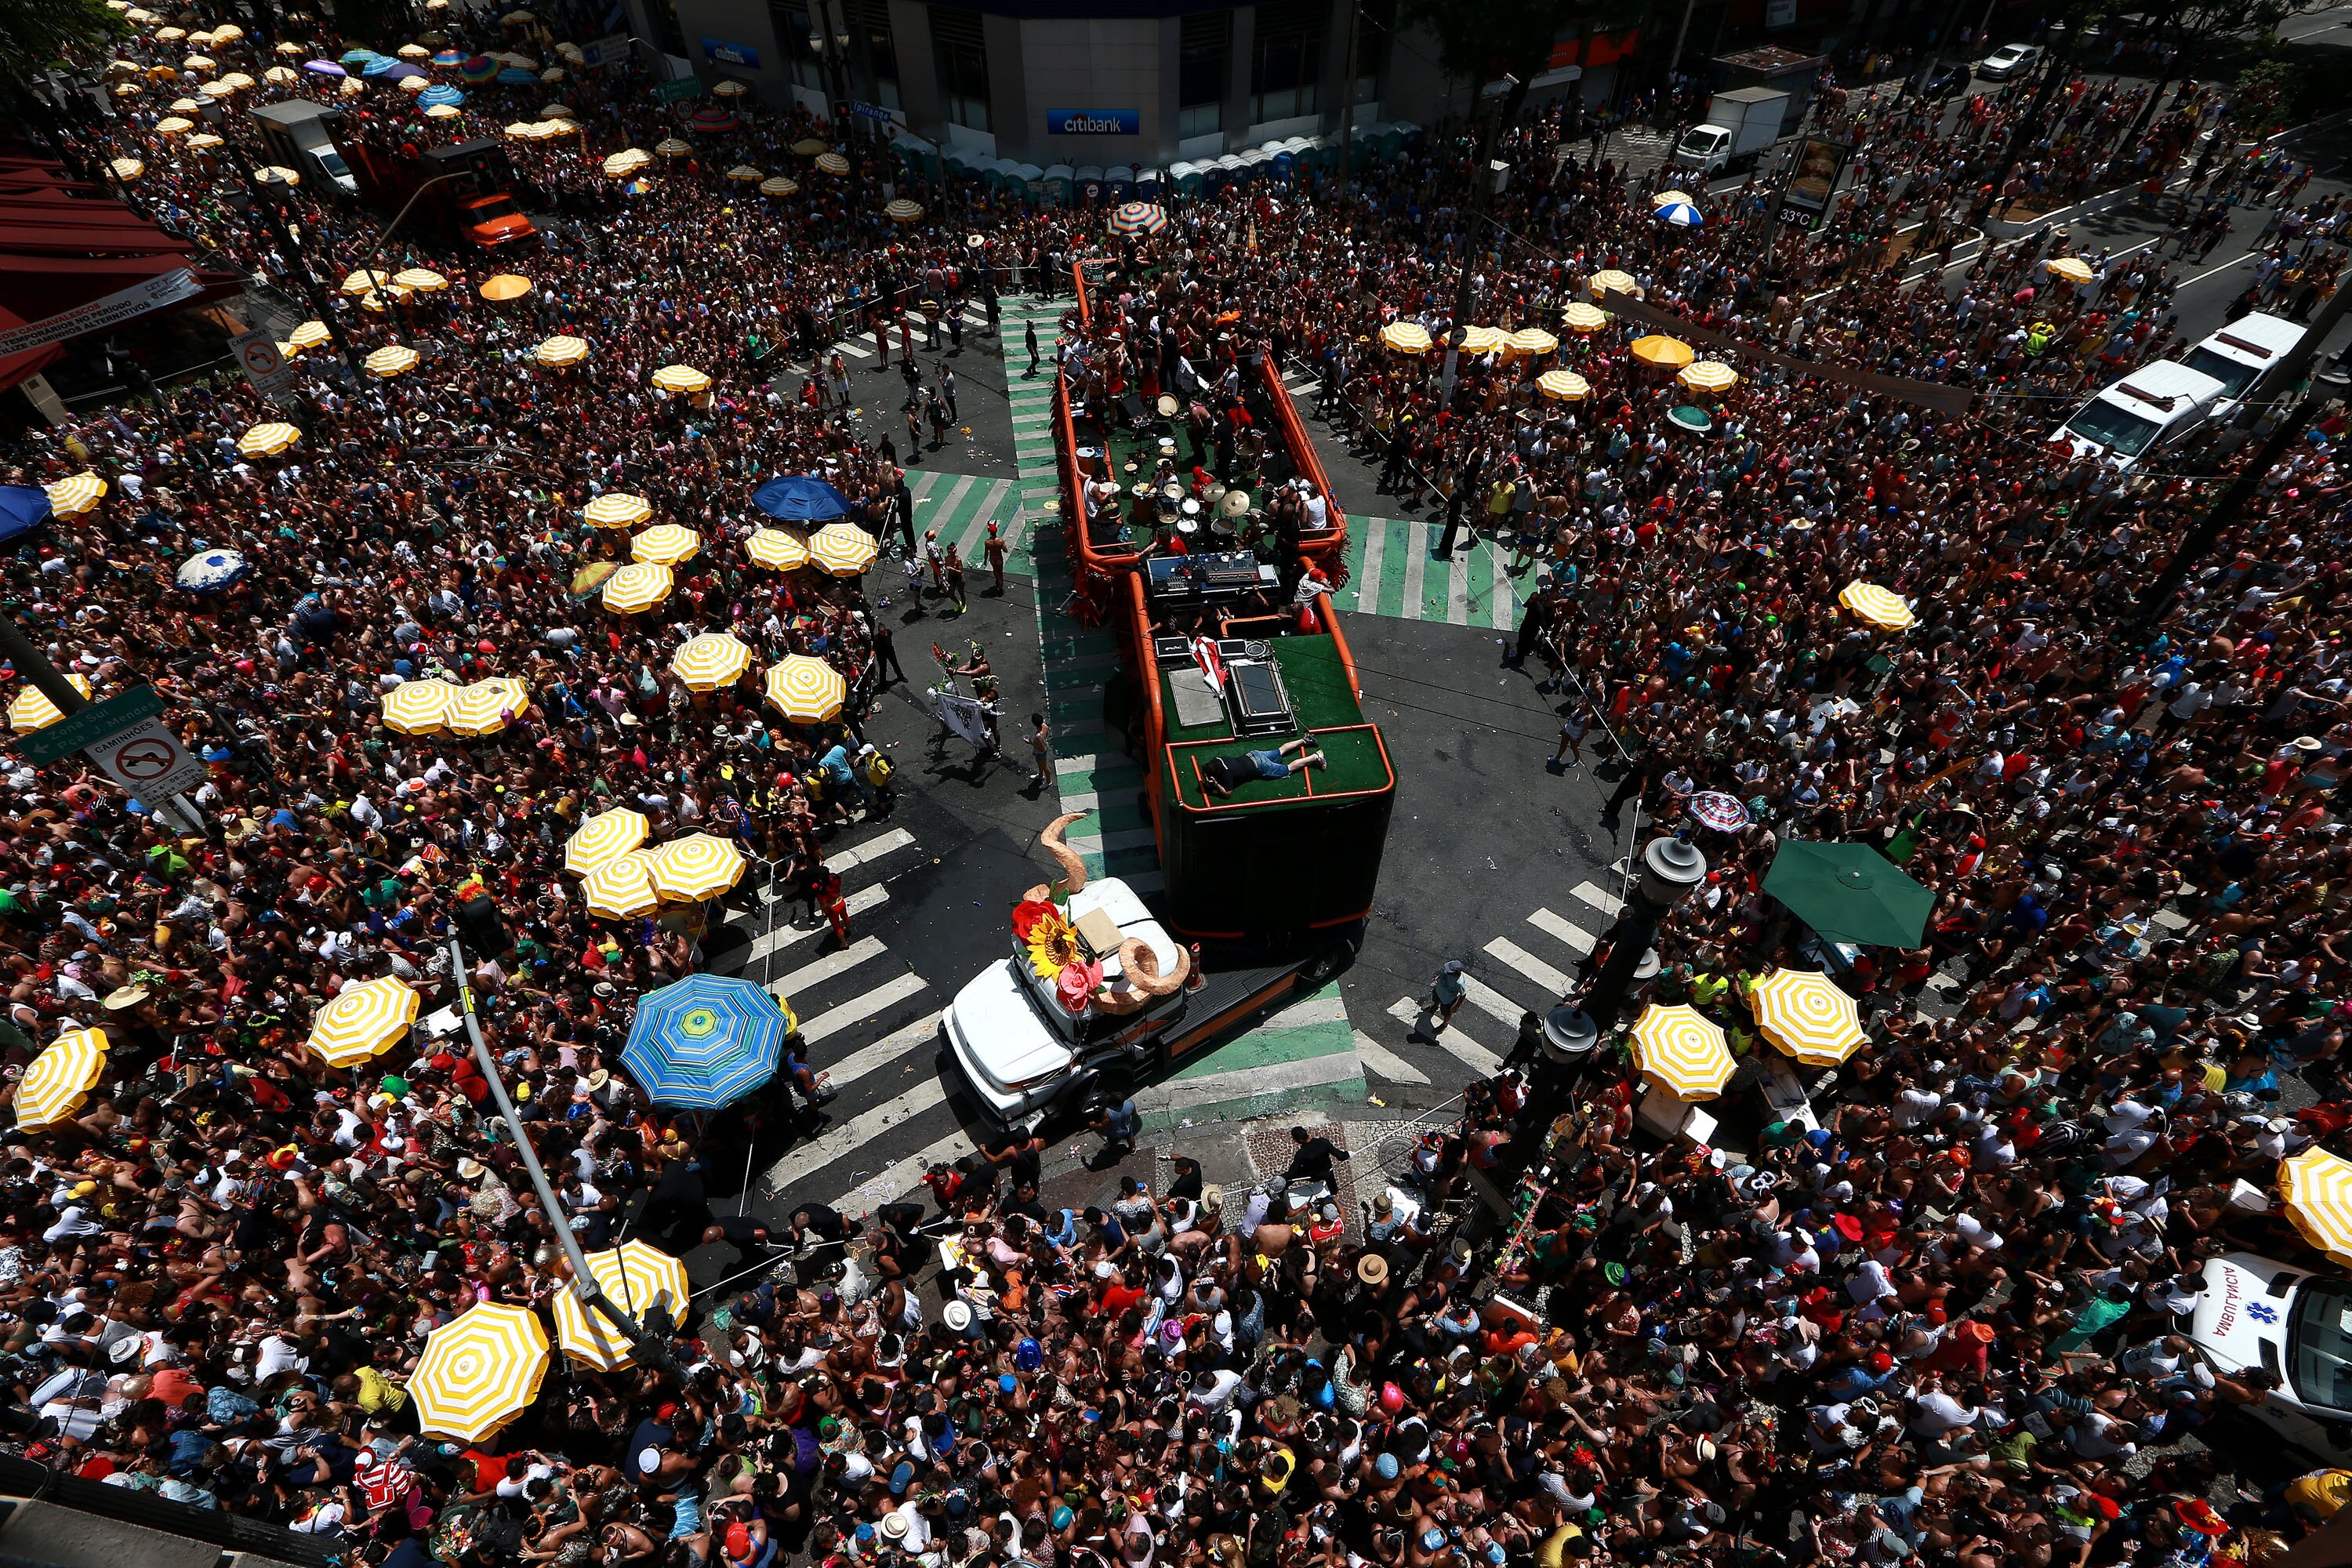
pixel 448 58
pixel 360 56
pixel 439 94
pixel 515 76
pixel 705 1042
pixel 211 570
pixel 375 65
pixel 402 70
pixel 1682 214
pixel 800 498
pixel 22 507
pixel 326 67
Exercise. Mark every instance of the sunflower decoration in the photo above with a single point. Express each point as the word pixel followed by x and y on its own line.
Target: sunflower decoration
pixel 1055 954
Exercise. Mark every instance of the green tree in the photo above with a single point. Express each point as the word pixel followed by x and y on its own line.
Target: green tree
pixel 37 36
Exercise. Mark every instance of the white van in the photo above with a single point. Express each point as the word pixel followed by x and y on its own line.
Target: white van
pixel 2258 1312
pixel 2153 406
pixel 2241 352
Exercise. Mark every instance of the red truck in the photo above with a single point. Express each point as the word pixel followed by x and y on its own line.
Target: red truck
pixel 466 191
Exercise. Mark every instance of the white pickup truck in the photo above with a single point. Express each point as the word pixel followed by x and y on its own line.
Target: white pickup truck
pixel 1028 1053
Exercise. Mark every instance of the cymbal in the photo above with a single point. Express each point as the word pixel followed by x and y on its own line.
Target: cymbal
pixel 1236 503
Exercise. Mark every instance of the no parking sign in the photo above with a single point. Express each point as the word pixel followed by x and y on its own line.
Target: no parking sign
pixel 147 760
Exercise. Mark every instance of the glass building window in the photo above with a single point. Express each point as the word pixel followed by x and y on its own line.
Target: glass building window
pixel 796 36
pixel 872 19
pixel 1206 43
pixel 959 56
pixel 663 17
pixel 1286 60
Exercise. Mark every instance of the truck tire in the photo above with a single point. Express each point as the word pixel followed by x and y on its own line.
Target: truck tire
pixel 1331 964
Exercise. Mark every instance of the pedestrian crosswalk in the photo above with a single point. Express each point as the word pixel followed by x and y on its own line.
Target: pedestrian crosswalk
pixel 858 347
pixel 960 506
pixel 1518 971
pixel 1392 565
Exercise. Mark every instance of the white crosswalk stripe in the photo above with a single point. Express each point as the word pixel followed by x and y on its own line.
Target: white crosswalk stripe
pixel 834 1020
pixel 1511 952
pixel 1385 1063
pixel 840 1145
pixel 808 976
pixel 1551 925
pixel 1480 1059
pixel 883 1051
pixel 1600 899
pixel 782 937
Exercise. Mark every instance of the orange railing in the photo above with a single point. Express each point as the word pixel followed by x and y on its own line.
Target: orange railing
pixel 1329 549
pixel 1339 643
pixel 1147 670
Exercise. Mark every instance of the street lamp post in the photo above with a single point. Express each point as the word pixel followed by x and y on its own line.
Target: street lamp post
pixel 1670 869
pixel 650 1349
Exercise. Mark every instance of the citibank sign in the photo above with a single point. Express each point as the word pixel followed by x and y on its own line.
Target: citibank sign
pixel 1094 121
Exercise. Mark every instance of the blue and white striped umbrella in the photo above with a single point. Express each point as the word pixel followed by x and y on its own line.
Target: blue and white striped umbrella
pixel 705 1042
pixel 441 94
pixel 1682 214
pixel 211 572
pixel 515 76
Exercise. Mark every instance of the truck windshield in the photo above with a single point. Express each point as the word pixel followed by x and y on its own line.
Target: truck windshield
pixel 2319 1344
pixel 491 207
pixel 2235 374
pixel 1702 141
pixel 2119 430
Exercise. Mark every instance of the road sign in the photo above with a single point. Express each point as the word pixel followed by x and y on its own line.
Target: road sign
pixel 684 87
pixel 123 711
pixel 149 761
pixel 257 355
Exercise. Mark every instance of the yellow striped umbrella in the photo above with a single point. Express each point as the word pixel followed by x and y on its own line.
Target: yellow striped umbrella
pixel 1610 281
pixel 618 509
pixel 75 495
pixel 1877 606
pixel 620 887
pixel 604 839
pixel 903 211
pixel 365 278
pixel 664 545
pixel 743 173
pixel 364 1021
pixel 127 168
pixel 806 689
pixel 393 361
pixel 2072 269
pixel 267 440
pixel 173 126
pixel 1405 337
pixel 561 349
pixel 1668 199
pixel 478 1372
pixel 699 866
pixel 382 300
pixel 710 661
pixel 419 707
pixel 627 161
pixel 672 147
pixel 422 279
pixel 486 707
pixel 1709 376
pixel 31 708
pixel 1807 1016
pixel 638 1278
pixel 637 587
pixel 843 549
pixel 1679 1050
pixel 681 378
pixel 60 1079
pixel 1663 351
pixel 310 335
pixel 775 549
pixel 779 186
pixel 202 141
pixel 1531 342
pixel 1482 339
pixel 2317 1187
pixel 1563 386
pixel 832 163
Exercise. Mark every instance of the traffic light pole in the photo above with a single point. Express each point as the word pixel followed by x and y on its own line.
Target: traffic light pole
pixel 650 1349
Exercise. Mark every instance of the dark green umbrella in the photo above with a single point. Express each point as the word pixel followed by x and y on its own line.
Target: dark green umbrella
pixel 1849 892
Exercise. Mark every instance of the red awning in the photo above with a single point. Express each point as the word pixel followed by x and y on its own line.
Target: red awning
pixel 65 242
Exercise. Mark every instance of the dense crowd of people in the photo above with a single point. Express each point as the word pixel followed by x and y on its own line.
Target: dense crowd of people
pixel 1946 1322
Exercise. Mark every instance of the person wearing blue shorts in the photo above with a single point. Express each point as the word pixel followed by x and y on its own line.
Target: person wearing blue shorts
pixel 1222 775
